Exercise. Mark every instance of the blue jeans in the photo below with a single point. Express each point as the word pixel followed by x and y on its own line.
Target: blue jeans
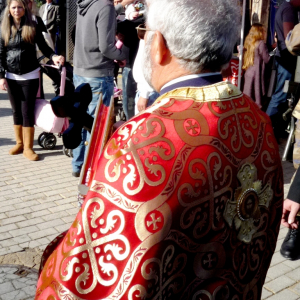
pixel 129 89
pixel 104 85
pixel 279 96
pixel 152 97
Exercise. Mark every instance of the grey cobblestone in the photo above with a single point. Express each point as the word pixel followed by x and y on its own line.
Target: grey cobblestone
pixel 8 208
pixel 22 231
pixel 63 207
pixel 29 222
pixel 7 228
pixel 26 204
pixel 42 233
pixel 37 196
pixel 52 223
pixel 62 228
pixel 43 206
pixel 12 220
pixel 17 212
pixel 37 214
pixel 14 287
pixel 275 272
pixel 50 199
pixel 16 195
pixel 5 236
pixel 284 295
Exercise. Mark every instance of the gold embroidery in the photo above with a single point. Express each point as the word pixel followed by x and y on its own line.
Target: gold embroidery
pixel 90 246
pixel 206 173
pixel 235 123
pixel 133 166
pixel 217 92
pixel 62 292
pixel 115 197
pixel 245 208
pixel 167 274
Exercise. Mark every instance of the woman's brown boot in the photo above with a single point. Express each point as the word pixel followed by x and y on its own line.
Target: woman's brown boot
pixel 18 148
pixel 28 135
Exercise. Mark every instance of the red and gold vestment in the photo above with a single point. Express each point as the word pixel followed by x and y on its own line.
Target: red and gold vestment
pixel 185 204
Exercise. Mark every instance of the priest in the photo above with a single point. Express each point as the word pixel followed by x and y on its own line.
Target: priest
pixel 187 197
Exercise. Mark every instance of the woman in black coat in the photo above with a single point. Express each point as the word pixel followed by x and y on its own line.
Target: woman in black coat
pixel 19 70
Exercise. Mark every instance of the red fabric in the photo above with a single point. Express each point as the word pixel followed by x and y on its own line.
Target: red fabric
pixel 99 137
pixel 158 222
pixel 232 72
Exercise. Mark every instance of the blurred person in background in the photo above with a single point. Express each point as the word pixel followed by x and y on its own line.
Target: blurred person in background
pixel 49 12
pixel 145 95
pixel 255 58
pixel 94 56
pixel 285 20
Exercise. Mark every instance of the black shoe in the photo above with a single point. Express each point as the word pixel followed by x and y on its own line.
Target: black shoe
pixel 290 247
pixel 76 174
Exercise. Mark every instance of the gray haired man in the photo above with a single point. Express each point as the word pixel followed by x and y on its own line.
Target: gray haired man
pixel 187 198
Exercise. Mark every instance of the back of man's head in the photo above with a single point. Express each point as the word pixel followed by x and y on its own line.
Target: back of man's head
pixel 201 34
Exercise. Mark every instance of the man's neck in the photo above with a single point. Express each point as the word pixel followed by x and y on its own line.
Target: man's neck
pixel 166 77
pixel 195 80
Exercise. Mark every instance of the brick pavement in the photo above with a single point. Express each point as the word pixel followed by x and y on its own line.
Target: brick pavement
pixel 38 201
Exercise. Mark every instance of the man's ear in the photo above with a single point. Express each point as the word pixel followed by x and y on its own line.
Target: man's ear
pixel 161 53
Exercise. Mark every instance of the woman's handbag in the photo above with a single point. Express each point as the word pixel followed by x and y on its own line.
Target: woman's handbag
pixel 44 115
pixel 46 119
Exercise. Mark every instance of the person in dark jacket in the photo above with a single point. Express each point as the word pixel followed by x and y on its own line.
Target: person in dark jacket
pixel 285 20
pixel 256 56
pixel 50 15
pixel 94 56
pixel 19 70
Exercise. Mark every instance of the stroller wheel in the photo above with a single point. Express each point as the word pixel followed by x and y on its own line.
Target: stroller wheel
pixel 49 142
pixel 41 138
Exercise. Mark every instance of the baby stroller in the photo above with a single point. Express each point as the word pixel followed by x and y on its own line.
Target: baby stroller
pixel 44 116
pixel 118 113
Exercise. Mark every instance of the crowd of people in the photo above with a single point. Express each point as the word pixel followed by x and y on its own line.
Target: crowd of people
pixel 256 57
pixel 187 197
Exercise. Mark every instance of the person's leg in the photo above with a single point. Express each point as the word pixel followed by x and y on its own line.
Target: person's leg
pixel 78 153
pixel 131 92
pixel 124 88
pixel 104 85
pixel 279 96
pixel 15 96
pixel 29 88
pixel 290 247
pixel 136 99
pixel 278 103
pixel 296 150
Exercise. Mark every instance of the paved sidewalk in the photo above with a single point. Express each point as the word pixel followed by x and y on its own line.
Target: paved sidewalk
pixel 38 201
